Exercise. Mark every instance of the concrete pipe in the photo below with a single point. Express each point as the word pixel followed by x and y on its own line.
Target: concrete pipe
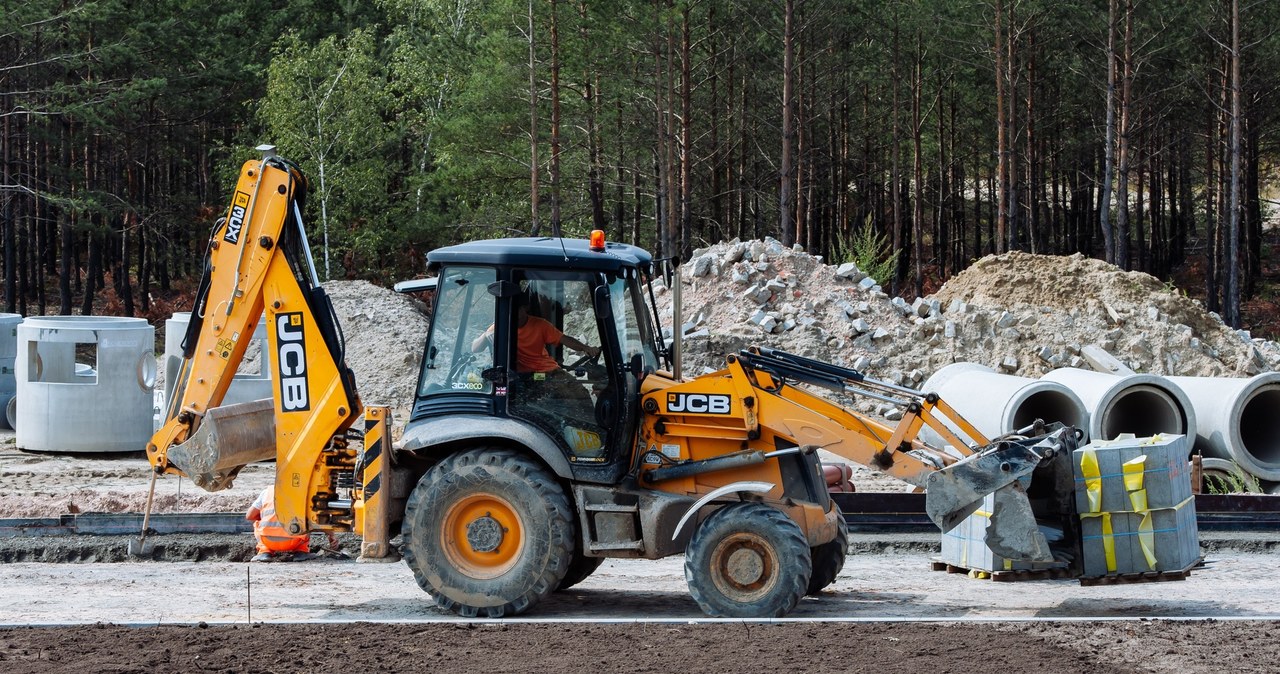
pixel 252 380
pixel 1142 404
pixel 1238 419
pixel 998 403
pixel 8 352
pixel 1224 476
pixel 100 405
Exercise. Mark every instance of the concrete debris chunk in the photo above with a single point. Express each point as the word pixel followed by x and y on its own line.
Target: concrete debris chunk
pixel 1112 316
pixel 1006 320
pixel 735 252
pixel 901 305
pixel 849 271
pixel 879 334
pixel 860 326
pixel 1153 313
pixel 1100 360
pixel 949 330
pixel 757 294
pixel 702 265
pixel 1009 364
pixel 919 308
pixel 867 283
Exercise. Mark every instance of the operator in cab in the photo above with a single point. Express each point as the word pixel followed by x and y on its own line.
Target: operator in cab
pixel 534 335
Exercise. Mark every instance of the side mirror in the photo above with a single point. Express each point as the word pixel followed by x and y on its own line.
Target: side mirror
pixel 603 306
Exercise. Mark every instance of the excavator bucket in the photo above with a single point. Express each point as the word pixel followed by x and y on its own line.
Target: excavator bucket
pixel 228 439
pixel 1004 469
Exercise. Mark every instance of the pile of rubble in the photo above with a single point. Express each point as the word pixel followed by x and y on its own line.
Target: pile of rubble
pixel 385 332
pixel 1019 313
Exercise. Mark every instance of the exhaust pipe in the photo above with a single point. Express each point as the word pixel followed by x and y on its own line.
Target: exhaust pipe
pixel 999 403
pixel 1142 404
pixel 1238 419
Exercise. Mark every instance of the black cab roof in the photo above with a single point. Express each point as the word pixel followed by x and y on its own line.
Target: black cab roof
pixel 546 252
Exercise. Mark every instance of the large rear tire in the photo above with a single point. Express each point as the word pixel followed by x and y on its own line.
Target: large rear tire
pixel 488 533
pixel 828 558
pixel 747 560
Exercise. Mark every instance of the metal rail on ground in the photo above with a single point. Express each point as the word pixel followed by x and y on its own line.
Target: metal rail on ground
pixel 865 512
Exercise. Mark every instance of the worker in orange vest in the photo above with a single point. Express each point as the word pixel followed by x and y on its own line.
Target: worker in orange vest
pixel 274 541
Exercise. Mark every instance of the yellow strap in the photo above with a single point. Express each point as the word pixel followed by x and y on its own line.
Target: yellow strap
pixel 1108 542
pixel 1092 478
pixel 1147 540
pixel 1134 471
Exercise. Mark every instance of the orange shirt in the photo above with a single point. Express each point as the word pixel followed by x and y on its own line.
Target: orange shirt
pixel 531 346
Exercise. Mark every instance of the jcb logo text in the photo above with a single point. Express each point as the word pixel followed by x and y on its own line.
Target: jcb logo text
pixel 698 403
pixel 291 362
pixel 235 220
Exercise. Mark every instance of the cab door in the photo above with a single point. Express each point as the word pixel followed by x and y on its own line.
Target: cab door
pixel 570 396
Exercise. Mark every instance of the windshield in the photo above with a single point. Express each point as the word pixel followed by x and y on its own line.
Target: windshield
pixel 457 350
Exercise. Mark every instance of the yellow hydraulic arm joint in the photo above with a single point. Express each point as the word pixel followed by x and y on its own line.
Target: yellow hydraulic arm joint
pixel 251 268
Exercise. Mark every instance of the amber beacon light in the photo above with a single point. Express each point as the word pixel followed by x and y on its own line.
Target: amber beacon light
pixel 597 240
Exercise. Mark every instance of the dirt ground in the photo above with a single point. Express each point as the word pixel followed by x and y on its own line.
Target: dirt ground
pixel 646 647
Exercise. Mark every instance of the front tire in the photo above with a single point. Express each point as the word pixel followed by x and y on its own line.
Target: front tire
pixel 748 560
pixel 488 532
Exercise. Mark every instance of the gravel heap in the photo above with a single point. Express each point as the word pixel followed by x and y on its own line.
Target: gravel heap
pixel 1019 313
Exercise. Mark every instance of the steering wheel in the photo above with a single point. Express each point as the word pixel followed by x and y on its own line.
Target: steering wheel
pixel 461 365
pixel 586 364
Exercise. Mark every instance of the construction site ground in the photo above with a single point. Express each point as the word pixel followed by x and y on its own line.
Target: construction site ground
pixel 77 603
pixel 201 607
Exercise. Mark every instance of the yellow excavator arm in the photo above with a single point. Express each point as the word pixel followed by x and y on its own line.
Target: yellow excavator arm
pixel 258 260
pixel 733 427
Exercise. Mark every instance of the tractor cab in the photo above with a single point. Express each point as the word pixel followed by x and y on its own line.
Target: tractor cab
pixel 540 342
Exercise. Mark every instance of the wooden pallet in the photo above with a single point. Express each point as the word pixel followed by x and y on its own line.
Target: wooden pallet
pixel 1009 576
pixel 1144 577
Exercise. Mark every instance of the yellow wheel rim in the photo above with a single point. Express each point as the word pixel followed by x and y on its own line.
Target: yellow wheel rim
pixel 482 536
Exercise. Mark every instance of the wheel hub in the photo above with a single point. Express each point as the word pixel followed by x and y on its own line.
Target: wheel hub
pixel 744 567
pixel 484 534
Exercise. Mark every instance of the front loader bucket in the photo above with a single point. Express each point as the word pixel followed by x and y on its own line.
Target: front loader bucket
pixel 228 439
pixel 1003 469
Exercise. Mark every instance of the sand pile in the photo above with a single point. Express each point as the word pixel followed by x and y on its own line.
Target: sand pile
pixel 385 333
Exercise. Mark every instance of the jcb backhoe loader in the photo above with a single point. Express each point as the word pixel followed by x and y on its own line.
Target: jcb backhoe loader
pixel 511 482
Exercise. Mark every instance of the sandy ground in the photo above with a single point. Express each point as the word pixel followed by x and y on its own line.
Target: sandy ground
pixel 112 615
pixel 871 587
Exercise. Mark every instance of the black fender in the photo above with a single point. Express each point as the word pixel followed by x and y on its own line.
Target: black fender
pixel 425 436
